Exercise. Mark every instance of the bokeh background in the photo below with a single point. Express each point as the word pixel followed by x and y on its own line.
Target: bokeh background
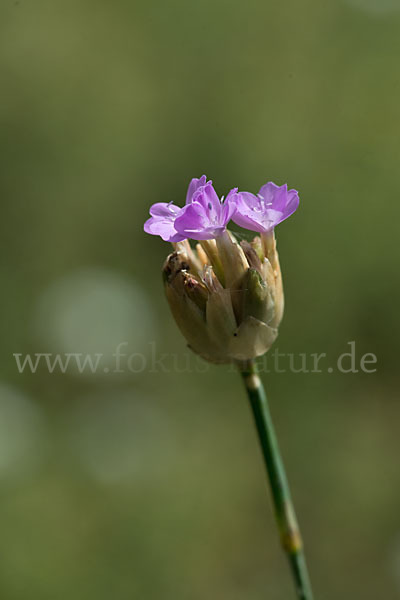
pixel 150 484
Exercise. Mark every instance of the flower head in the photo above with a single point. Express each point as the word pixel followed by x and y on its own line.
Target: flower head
pixel 205 216
pixel 226 297
pixel 272 205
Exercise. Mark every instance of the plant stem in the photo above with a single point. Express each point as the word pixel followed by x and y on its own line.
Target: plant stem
pixel 284 510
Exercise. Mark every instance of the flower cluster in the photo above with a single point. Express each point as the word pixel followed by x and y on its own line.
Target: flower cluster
pixel 226 297
pixel 205 216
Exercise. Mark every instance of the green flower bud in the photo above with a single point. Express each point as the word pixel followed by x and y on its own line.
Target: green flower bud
pixel 258 298
pixel 274 274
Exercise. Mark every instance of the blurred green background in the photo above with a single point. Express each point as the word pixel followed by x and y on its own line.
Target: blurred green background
pixel 150 484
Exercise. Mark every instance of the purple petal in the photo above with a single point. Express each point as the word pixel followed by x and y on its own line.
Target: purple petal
pixel 229 207
pixel 162 220
pixel 248 213
pixel 292 203
pixel 193 222
pixel 164 228
pixel 192 217
pixel 199 222
pixel 194 185
pixel 164 209
pixel 284 204
pixel 271 192
pixel 248 201
pixel 205 233
pixel 207 197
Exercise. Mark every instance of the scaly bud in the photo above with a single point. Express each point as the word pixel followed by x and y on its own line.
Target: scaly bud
pixel 233 260
pixel 272 271
pixel 226 316
pixel 257 298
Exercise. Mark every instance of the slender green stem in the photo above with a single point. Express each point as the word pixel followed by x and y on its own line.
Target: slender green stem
pixel 285 515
